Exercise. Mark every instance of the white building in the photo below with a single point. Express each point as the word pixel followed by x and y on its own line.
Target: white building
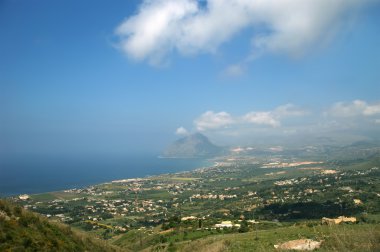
pixel 226 224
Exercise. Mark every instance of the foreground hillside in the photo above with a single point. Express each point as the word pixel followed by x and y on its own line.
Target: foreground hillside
pixel 21 230
pixel 358 237
pixel 361 236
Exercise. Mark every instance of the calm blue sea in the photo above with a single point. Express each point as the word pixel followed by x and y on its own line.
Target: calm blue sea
pixel 43 174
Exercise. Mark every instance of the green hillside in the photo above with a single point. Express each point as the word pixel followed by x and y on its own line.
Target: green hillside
pixel 21 230
pixel 357 237
pixel 363 237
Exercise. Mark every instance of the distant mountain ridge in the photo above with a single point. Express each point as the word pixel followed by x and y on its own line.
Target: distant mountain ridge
pixel 195 145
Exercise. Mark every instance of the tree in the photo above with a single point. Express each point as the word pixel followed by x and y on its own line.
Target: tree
pixel 243 227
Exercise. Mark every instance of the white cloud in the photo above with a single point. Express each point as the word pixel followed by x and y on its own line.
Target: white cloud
pixel 372 110
pixel 155 30
pixel 191 26
pixel 356 117
pixel 211 120
pixel 354 109
pixel 263 118
pixel 272 118
pixel 181 131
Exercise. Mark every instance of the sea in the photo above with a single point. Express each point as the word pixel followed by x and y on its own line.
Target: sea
pixel 38 174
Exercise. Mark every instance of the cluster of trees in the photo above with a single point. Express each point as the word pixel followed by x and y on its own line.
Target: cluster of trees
pixel 172 222
pixel 309 210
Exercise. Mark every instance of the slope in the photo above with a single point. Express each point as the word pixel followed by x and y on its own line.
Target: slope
pixel 21 230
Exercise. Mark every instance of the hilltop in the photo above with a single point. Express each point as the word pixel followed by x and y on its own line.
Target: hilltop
pixel 192 146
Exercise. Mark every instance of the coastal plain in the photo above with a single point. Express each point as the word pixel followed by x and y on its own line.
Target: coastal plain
pixel 243 201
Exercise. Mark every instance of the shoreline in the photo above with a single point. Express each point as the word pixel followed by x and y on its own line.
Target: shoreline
pixel 147 176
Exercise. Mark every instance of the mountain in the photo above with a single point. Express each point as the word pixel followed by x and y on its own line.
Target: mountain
pixel 192 146
pixel 21 230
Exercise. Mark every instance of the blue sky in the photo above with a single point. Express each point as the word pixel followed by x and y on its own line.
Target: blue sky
pixel 123 76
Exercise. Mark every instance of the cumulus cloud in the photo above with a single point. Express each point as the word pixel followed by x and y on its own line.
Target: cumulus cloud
pixel 181 131
pixel 211 120
pixel 263 118
pixel 356 117
pixel 192 26
pixel 273 118
pixel 354 109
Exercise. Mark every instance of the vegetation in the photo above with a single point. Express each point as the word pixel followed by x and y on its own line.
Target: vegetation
pixel 21 230
pixel 360 238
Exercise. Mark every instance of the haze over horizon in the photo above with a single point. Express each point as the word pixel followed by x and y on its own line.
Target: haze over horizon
pixel 97 77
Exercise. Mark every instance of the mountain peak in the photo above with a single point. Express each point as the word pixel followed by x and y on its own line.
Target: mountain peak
pixel 194 145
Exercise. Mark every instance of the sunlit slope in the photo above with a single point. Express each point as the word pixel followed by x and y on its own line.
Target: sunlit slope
pixel 21 230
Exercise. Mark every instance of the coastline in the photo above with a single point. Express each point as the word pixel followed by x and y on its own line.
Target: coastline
pixel 207 163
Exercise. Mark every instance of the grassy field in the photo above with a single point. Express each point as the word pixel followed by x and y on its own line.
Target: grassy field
pixel 358 238
pixel 54 195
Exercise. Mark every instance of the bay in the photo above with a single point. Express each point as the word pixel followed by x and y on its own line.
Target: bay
pixel 38 174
